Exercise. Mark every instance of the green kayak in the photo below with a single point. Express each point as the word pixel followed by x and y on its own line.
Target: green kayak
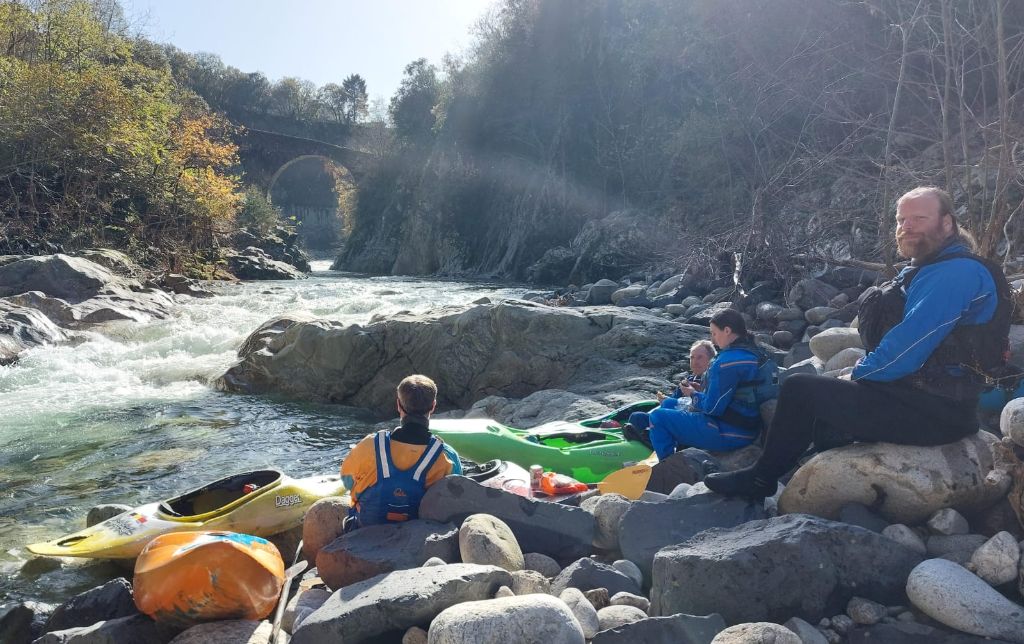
pixel 584 449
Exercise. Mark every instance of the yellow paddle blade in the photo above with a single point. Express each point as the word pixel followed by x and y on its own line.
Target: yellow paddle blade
pixel 630 481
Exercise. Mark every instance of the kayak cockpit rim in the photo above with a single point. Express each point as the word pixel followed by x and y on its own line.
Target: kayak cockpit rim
pixel 220 496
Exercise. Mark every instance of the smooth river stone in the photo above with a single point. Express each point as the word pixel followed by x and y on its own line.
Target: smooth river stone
pixel 952 595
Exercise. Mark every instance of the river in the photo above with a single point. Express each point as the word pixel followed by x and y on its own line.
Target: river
pixel 128 416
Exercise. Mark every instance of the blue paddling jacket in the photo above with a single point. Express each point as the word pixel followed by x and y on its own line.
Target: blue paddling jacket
pixel 732 368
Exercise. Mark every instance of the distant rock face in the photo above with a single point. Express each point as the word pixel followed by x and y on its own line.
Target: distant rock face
pixel 512 348
pixel 774 569
pixel 907 483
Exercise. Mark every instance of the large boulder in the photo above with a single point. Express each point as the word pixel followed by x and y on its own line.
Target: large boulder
pixel 677 629
pixel 560 531
pixel 952 595
pixel 646 527
pixel 109 601
pixel 530 618
pixel 323 524
pixel 70 278
pixel 774 569
pixel 122 630
pixel 254 263
pixel 512 348
pixel 396 601
pixel 587 574
pixel 22 328
pixel 484 539
pixel 831 341
pixel 377 549
pixel 904 483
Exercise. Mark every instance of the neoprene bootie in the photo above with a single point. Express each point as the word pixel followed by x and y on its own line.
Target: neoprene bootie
pixel 743 483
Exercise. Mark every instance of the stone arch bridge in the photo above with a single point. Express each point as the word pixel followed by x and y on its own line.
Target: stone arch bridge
pixel 266 155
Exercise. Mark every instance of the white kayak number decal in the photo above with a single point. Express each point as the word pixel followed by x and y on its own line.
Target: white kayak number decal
pixel 286 501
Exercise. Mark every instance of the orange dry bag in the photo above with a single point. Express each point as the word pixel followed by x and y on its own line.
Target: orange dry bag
pixel 552 483
pixel 184 578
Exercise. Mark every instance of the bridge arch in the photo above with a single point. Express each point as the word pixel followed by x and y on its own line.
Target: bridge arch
pixel 331 163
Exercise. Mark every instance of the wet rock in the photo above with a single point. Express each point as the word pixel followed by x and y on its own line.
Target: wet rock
pixel 906 484
pixel 807 633
pixel 122 630
pixel 584 611
pixel 831 341
pixel 648 527
pixel 677 629
pixel 236 631
pixel 629 599
pixel 541 563
pixel 997 560
pixel 22 328
pixel 109 601
pixel 777 568
pixel 586 574
pixel 527 582
pixel 376 549
pixel 22 623
pixel 952 595
pixel 398 600
pixel 948 521
pixel 554 529
pixel 100 513
pixel 615 616
pixel 484 539
pixel 906 536
pixel 607 510
pixel 756 633
pixel 864 611
pixel 533 618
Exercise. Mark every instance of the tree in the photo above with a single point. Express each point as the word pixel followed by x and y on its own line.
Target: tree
pixel 412 106
pixel 355 104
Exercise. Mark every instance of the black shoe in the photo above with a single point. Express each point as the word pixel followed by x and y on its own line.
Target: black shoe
pixel 631 433
pixel 742 483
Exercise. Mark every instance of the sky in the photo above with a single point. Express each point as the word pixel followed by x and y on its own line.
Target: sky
pixel 320 40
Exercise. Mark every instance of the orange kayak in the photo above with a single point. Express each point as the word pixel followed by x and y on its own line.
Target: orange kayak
pixel 184 578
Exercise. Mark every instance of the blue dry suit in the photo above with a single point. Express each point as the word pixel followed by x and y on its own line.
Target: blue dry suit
pixel 941 296
pixel 642 419
pixel 702 426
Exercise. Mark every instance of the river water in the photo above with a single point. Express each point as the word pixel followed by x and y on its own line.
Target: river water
pixel 129 416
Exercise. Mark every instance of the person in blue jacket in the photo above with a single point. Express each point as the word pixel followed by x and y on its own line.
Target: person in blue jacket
pixel 715 420
pixel 920 384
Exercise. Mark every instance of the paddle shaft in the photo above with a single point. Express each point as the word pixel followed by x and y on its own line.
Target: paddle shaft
pixel 289 575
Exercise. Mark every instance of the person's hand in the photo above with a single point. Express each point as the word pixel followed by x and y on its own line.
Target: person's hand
pixel 696 386
pixel 660 395
pixel 686 389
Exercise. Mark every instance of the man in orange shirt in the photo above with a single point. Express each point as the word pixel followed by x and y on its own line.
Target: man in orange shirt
pixel 389 472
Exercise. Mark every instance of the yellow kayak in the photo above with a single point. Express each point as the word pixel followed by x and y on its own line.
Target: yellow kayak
pixel 261 503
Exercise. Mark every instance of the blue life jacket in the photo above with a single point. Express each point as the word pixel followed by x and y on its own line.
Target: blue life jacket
pixel 396 494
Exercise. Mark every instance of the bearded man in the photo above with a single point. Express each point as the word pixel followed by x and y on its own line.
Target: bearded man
pixel 931 334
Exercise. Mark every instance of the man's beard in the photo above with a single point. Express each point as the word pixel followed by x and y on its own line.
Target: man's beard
pixel 920 245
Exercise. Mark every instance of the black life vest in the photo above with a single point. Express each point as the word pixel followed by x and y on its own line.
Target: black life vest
pixel 968 358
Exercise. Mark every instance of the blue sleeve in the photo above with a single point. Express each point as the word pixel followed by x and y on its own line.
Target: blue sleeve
pixel 726 372
pixel 453 456
pixel 939 297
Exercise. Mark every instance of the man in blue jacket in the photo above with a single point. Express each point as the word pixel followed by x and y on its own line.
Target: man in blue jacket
pixel 920 384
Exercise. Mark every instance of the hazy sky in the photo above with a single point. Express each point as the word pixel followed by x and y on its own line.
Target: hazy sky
pixel 320 40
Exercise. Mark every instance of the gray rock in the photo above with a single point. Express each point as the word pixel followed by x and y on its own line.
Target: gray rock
pixel 557 530
pixel 648 527
pixel 791 314
pixel 323 524
pixel 911 634
pixel 375 549
pixel 1011 421
pixel 528 582
pixel 484 539
pixel 629 599
pixel 777 568
pixel 626 293
pixel 253 263
pixel 587 574
pixel 23 622
pixel 677 629
pixel 70 278
pixel 584 611
pixel 236 631
pixel 652 497
pixel 434 561
pixel 302 606
pixel 22 328
pixel 857 514
pixel 415 635
pixel 948 521
pixel 950 594
pixel 630 569
pixel 783 339
pixel 109 601
pixel 831 341
pixel 819 314
pixel 601 293
pixel 809 293
pixel 542 563
pixel 767 311
pixel 756 633
pixel 690 301
pixel 615 616
pixel 598 597
pixel 675 310
pixel 842 624
pixel 957 547
pixel 703 317
pixel 906 536
pixel 607 510
pixel 504 591
pixel 100 513
pixel 670 285
pixel 845 359
pixel 397 601
pixel 123 630
pixel 864 611
pixel 807 633
pixel 533 618
pixel 997 560
pixel 905 483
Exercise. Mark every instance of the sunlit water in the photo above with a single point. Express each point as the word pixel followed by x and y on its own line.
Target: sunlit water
pixel 129 416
